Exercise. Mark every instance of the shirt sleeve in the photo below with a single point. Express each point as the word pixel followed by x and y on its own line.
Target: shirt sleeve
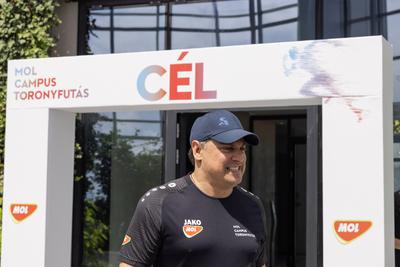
pixel 262 249
pixel 143 239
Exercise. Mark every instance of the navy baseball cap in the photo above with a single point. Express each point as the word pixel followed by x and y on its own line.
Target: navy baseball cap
pixel 221 126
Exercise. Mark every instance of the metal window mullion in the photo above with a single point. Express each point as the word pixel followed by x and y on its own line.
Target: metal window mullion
pixel 260 22
pixel 112 46
pixel 252 21
pixel 217 28
pixel 158 27
pixel 170 145
pixel 346 19
pixel 168 26
pixel 373 22
pixel 313 188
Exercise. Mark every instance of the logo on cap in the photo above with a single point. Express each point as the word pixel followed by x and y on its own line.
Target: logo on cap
pixel 192 228
pixel 20 212
pixel 223 121
pixel 348 231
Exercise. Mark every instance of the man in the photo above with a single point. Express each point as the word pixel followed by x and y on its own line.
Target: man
pixel 204 219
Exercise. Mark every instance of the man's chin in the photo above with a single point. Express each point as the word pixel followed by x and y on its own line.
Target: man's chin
pixel 234 180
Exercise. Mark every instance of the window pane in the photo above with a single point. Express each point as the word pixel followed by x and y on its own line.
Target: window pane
pixel 358 9
pixel 291 12
pixel 361 28
pixel 139 115
pixel 279 21
pixel 99 42
pixel 280 33
pixel 138 41
pixel 192 39
pixel 210 24
pixel 392 5
pixel 147 16
pixel 123 160
pixel 127 29
pixel 235 38
pixel 100 17
pixel 396 71
pixel 139 129
pixel 393 22
pixel 271 4
pixel 192 25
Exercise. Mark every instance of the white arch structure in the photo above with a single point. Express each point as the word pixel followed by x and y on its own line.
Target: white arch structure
pixel 351 78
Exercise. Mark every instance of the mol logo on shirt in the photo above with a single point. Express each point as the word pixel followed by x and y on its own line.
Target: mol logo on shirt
pixel 347 231
pixel 20 212
pixel 192 228
pixel 126 240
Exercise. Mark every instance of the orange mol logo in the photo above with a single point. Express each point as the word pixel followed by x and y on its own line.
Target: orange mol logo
pixel 127 239
pixel 347 231
pixel 20 212
pixel 192 228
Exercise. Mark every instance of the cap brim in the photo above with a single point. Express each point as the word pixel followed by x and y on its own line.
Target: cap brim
pixel 231 136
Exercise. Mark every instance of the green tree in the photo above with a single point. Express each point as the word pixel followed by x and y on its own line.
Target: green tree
pixel 24 33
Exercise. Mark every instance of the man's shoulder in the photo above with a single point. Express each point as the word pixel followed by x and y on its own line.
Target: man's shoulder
pixel 248 197
pixel 157 194
pixel 246 194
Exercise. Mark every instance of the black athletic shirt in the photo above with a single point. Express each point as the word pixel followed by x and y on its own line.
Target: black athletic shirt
pixel 177 225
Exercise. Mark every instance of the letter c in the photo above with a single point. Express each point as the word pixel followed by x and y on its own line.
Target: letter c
pixel 142 79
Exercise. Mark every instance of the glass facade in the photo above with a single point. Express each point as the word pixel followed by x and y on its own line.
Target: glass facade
pixel 123 159
pixel 121 155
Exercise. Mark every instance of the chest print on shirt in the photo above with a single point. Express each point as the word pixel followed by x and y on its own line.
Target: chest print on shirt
pixel 192 227
pixel 242 232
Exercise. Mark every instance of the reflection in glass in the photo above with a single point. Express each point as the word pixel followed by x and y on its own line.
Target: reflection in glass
pixel 360 9
pixel 97 42
pixel 392 5
pixel 126 29
pixel 277 4
pixel 393 22
pixel 361 28
pixel 280 14
pixel 236 22
pixel 280 33
pixel 123 161
pixel 193 25
pixel 396 71
pixel 358 18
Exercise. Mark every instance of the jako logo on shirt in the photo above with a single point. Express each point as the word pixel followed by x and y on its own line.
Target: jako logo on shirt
pixel 177 78
pixel 20 212
pixel 192 228
pixel 348 231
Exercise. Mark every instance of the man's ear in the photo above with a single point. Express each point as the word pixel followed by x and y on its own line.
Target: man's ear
pixel 196 149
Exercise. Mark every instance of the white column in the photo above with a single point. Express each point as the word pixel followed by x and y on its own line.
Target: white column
pixel 39 171
pixel 357 168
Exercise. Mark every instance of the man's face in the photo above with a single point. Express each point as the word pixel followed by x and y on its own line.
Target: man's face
pixel 223 163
